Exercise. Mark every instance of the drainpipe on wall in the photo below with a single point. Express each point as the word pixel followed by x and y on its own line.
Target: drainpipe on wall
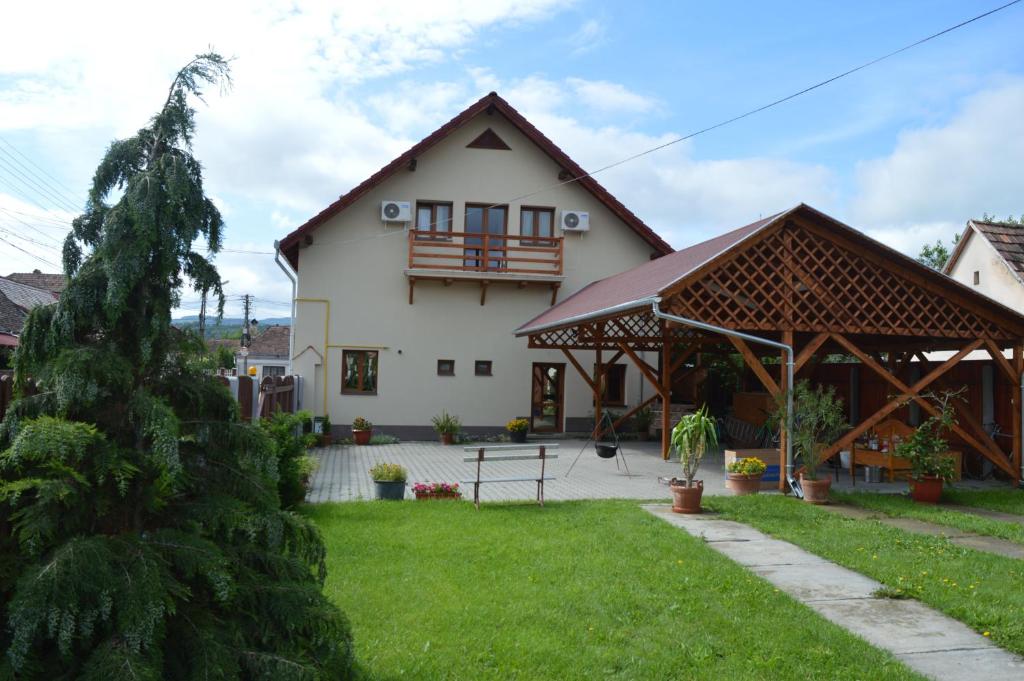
pixel 288 272
pixel 793 484
pixel 1021 483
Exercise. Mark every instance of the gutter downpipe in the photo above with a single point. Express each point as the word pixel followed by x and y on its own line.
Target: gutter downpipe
pixel 291 277
pixel 794 485
pixel 1020 483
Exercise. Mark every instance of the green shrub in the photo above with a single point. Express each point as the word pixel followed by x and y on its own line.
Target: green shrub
pixel 388 472
pixel 289 444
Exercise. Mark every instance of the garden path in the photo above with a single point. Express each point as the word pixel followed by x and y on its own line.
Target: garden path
pixel 970 540
pixel 924 639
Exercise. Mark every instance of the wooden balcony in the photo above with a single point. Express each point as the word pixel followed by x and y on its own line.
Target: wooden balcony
pixel 484 258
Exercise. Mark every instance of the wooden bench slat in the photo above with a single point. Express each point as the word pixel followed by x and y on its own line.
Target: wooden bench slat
pixel 510 457
pixel 510 448
pixel 535 478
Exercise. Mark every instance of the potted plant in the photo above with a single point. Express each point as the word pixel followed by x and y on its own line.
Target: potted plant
pixel 818 419
pixel 692 437
pixel 362 431
pixel 926 449
pixel 643 420
pixel 517 429
pixel 447 426
pixel 437 490
pixel 326 436
pixel 389 481
pixel 745 475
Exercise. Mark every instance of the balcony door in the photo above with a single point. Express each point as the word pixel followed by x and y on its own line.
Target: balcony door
pixel 547 398
pixel 484 219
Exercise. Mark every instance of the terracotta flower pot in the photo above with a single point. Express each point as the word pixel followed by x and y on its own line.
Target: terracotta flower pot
pixel 815 491
pixel 438 495
pixel 742 485
pixel 927 489
pixel 447 438
pixel 362 437
pixel 325 440
pixel 686 499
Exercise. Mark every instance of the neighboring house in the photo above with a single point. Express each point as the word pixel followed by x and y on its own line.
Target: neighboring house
pixel 16 300
pixel 54 283
pixel 990 258
pixel 410 285
pixel 268 352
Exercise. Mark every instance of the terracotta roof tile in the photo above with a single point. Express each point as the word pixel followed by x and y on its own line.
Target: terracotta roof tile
pixel 1007 239
pixel 24 296
pixel 54 283
pixel 273 342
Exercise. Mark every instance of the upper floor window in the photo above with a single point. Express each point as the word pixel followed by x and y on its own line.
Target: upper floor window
pixel 446 367
pixel 359 372
pixel 536 222
pixel 977 278
pixel 434 217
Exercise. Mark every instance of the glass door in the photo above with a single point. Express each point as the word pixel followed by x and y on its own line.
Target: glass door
pixel 546 401
pixel 490 220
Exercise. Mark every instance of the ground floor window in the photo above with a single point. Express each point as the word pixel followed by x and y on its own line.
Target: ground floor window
pixel 272 370
pixel 359 372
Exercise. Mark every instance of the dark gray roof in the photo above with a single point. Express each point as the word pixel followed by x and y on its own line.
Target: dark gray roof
pixel 53 283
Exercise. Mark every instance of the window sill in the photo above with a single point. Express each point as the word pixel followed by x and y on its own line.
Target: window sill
pixel 359 393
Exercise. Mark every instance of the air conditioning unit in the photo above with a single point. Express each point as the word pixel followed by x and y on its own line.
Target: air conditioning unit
pixel 395 211
pixel 575 221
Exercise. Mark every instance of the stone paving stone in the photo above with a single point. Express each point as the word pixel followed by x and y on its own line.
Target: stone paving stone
pixel 1000 547
pixel 924 639
pixel 987 513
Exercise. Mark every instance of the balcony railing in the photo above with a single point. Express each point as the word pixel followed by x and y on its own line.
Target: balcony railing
pixel 471 252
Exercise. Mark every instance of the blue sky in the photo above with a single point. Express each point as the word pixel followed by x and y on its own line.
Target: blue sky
pixel 325 94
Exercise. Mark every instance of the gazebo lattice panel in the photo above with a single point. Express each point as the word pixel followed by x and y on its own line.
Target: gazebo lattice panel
pixel 799 280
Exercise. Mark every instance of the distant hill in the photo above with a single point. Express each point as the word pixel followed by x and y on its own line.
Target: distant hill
pixel 232 321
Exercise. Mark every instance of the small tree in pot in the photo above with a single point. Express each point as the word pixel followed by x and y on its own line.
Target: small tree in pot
pixel 926 449
pixel 818 419
pixel 692 437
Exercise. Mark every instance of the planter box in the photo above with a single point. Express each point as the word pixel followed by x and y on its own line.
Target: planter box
pixel 770 478
pixel 426 496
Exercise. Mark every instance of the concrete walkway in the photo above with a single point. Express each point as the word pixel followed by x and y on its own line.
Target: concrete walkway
pixel 344 472
pixel 970 540
pixel 922 638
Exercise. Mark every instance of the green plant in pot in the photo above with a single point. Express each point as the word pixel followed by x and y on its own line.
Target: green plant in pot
pixel 745 475
pixel 362 431
pixel 326 437
pixel 927 451
pixel 446 426
pixel 818 419
pixel 692 437
pixel 643 420
pixel 389 481
pixel 517 429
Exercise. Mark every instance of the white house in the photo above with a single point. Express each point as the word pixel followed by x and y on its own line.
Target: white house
pixel 411 284
pixel 990 258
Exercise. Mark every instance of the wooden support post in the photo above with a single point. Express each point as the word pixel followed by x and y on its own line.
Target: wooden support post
pixel 598 383
pixel 755 364
pixel 808 352
pixel 787 338
pixel 579 368
pixel 1018 368
pixel 666 390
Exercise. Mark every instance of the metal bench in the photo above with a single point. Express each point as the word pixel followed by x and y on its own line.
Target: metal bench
pixel 485 454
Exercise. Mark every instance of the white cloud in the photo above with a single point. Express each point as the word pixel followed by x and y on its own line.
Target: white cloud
pixel 937 178
pixel 589 36
pixel 607 96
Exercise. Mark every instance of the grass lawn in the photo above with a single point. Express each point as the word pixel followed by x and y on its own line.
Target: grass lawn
pixel 438 590
pixel 980 589
pixel 899 505
pixel 1005 500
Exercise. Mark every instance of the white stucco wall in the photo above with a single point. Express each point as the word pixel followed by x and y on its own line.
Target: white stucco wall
pixel 995 279
pixel 357 264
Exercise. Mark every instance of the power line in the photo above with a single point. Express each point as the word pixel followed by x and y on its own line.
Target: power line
pixel 43 186
pixel 28 253
pixel 7 166
pixel 71 192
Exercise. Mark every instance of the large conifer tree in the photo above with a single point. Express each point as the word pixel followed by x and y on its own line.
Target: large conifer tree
pixel 141 535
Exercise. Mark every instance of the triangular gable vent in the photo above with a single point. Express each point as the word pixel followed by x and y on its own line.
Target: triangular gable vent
pixel 488 139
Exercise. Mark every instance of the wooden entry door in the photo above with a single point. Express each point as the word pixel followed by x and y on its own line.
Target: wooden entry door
pixel 547 398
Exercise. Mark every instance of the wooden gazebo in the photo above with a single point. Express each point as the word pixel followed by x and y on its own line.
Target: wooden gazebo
pixel 805 280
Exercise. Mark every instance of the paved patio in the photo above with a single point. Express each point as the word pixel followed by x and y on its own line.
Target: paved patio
pixel 344 472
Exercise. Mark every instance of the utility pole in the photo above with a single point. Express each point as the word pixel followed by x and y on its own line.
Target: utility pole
pixel 246 337
pixel 202 316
